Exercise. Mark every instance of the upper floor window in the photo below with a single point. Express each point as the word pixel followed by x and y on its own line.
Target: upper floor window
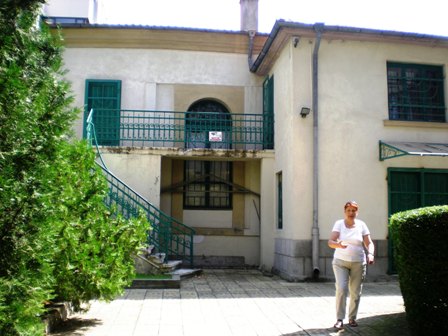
pixel 415 92
pixel 208 125
pixel 65 20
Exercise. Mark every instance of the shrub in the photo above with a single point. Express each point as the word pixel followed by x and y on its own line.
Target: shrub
pixel 95 245
pixel 420 244
pixel 58 241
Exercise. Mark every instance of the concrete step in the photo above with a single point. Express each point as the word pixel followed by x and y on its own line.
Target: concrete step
pixel 175 282
pixel 185 273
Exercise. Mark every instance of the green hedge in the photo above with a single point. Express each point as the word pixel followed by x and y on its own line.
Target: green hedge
pixel 420 240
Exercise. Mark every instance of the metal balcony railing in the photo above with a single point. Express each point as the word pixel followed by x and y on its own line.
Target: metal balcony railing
pixel 142 128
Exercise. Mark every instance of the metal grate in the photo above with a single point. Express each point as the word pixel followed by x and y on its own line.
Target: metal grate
pixel 416 92
pixel 208 185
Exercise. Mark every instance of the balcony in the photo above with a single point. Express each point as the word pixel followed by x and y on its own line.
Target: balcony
pixel 211 130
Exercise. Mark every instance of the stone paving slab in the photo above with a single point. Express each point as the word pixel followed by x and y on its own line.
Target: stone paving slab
pixel 239 302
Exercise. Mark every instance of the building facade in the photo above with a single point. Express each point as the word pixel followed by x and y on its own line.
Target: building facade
pixel 257 140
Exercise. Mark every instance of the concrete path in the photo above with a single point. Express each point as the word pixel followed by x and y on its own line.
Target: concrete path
pixel 239 302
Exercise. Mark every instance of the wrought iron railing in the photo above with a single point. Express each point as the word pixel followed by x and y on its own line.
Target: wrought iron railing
pixel 142 128
pixel 167 235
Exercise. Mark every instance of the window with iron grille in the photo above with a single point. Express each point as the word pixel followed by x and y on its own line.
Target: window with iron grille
pixel 208 185
pixel 415 92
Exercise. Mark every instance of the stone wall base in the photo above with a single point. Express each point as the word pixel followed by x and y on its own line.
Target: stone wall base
pixel 293 261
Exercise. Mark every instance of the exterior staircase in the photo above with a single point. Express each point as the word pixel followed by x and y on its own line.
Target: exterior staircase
pixel 167 236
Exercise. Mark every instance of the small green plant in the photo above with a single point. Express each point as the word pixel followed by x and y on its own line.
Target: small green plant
pixel 419 238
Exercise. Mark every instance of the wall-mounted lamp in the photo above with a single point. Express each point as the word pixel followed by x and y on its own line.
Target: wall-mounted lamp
pixel 295 41
pixel 304 111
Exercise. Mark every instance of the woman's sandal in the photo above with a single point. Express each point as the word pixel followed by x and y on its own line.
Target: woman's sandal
pixel 352 323
pixel 339 325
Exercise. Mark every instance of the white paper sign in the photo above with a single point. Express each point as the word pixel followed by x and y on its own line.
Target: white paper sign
pixel 214 136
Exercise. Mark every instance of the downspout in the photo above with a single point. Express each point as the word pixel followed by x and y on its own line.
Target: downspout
pixel 318 27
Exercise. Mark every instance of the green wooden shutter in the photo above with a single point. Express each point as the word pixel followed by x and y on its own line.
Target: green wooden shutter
pixel 404 190
pixel 279 201
pixel 268 113
pixel 104 97
pixel 436 188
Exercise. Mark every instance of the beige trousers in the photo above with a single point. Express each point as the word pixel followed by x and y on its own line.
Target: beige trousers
pixel 349 278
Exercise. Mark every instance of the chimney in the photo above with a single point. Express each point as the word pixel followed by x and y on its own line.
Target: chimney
pixel 249 16
pixel 70 11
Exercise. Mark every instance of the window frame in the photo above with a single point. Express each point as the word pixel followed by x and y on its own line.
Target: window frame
pixel 207 115
pixel 416 92
pixel 208 183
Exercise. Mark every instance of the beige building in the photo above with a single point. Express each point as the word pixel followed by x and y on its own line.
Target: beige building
pixel 257 140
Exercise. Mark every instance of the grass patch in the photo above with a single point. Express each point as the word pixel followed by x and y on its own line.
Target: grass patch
pixel 152 277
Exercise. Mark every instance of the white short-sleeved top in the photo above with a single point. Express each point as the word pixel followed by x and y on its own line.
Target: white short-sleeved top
pixel 354 238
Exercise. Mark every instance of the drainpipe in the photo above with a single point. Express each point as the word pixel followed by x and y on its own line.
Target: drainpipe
pixel 318 27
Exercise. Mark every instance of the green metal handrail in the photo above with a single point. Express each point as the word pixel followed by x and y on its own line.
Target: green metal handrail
pixel 167 234
pixel 143 128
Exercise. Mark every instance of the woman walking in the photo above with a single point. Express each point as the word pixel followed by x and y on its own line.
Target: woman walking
pixel 350 238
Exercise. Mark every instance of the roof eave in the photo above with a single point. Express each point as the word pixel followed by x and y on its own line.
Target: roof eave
pixel 283 31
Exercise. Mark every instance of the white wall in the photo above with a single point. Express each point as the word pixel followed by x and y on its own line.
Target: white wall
pixel 140 171
pixel 268 211
pixel 147 75
pixel 208 219
pixel 352 108
pixel 236 246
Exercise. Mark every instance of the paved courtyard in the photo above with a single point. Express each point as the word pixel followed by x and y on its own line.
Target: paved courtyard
pixel 239 302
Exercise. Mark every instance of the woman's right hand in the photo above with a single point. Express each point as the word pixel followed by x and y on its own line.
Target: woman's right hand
pixel 343 244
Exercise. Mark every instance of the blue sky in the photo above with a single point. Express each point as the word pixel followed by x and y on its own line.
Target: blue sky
pixel 426 17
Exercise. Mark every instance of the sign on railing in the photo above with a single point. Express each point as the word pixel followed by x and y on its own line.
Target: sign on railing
pixel 215 136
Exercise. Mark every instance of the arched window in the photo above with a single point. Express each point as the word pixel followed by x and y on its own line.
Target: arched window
pixel 208 124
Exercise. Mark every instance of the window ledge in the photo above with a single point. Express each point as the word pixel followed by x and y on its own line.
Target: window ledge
pixel 419 124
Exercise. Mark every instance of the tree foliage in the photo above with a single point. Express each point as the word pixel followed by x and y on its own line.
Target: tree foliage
pixel 58 241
